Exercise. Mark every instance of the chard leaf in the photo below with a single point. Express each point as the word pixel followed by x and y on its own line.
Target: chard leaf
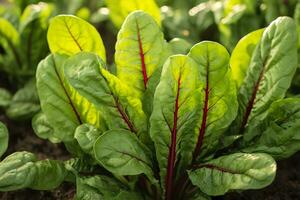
pixel 102 187
pixel 131 157
pixel 270 72
pixel 69 35
pixel 278 134
pixel 238 171
pixel 5 97
pixel 43 129
pixel 119 106
pixel 119 9
pixel 25 103
pixel 22 170
pixel 241 55
pixel 86 135
pixel 219 102
pixel 64 108
pixel 176 110
pixel 180 46
pixel 3 138
pixel 140 51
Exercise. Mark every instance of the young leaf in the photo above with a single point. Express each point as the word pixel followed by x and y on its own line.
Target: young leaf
pixel 140 51
pixel 64 108
pixel 131 157
pixel 102 187
pixel 270 72
pixel 69 35
pixel 119 9
pixel 119 106
pixel 241 55
pixel 3 139
pixel 219 100
pixel 278 134
pixel 5 97
pixel 234 172
pixel 22 170
pixel 176 110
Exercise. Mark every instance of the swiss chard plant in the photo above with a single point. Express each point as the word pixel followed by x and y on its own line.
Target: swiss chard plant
pixel 163 127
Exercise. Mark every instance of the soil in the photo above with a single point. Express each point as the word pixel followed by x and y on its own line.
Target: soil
pixel 285 187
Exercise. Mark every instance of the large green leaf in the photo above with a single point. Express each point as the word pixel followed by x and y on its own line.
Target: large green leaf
pixel 176 111
pixel 234 172
pixel 278 134
pixel 140 51
pixel 241 55
pixel 64 108
pixel 270 72
pixel 22 170
pixel 3 139
pixel 69 35
pixel 102 187
pixel 119 9
pixel 219 103
pixel 130 157
pixel 118 104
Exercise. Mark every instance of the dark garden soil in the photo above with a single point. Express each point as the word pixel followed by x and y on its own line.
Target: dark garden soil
pixel 285 187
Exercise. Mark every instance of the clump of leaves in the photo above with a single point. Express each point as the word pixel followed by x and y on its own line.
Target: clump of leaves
pixel 183 127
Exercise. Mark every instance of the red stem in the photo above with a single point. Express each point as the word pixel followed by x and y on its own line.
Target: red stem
pixel 142 56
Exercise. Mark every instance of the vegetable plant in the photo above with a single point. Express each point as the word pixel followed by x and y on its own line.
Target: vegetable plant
pixel 164 126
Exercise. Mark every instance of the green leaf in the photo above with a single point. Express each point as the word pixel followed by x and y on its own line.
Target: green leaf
pixel 86 135
pixel 3 138
pixel 140 51
pixel 130 157
pixel 234 172
pixel 180 46
pixel 176 111
pixel 22 170
pixel 69 35
pixel 102 187
pixel 43 129
pixel 25 103
pixel 270 72
pixel 278 134
pixel 118 104
pixel 5 97
pixel 241 55
pixel 64 108
pixel 219 102
pixel 119 9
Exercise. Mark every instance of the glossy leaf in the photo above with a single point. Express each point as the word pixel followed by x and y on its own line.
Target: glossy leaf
pixel 278 134
pixel 3 139
pixel 234 172
pixel 119 9
pixel 219 102
pixel 140 51
pixel 5 97
pixel 176 110
pixel 241 55
pixel 270 72
pixel 22 170
pixel 119 106
pixel 69 35
pixel 131 157
pixel 64 108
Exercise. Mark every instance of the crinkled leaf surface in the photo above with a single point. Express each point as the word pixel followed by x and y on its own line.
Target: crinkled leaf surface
pixel 130 157
pixel 219 102
pixel 5 97
pixel 278 134
pixel 119 9
pixel 140 51
pixel 69 35
pixel 3 139
pixel 239 171
pixel 270 72
pixel 176 110
pixel 64 108
pixel 118 104
pixel 22 170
